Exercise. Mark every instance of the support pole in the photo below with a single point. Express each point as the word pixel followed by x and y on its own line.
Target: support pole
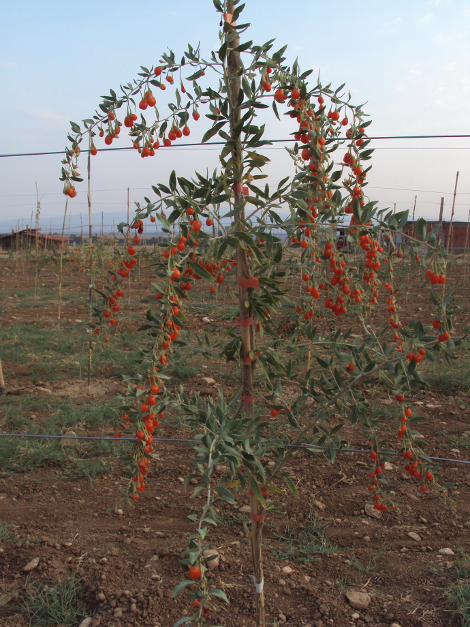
pixel 127 244
pixel 90 287
pixel 233 78
pixel 440 232
pixel 452 214
pixel 61 259
pixel 2 382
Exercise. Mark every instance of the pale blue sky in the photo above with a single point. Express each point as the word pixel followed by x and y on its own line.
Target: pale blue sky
pixel 409 60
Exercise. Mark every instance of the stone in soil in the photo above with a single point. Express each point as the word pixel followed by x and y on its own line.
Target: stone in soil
pixel 370 511
pixel 414 536
pixel 446 551
pixel 31 565
pixel 358 600
pixel 212 563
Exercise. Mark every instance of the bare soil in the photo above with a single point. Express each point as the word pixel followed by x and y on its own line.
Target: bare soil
pixel 128 560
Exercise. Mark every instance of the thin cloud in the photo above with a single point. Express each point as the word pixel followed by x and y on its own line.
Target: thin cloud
pixel 428 17
pixel 450 67
pixel 393 22
pixel 9 65
pixel 44 114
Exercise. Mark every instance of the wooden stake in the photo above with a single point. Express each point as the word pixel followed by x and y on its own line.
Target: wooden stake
pixel 90 288
pixel 466 243
pixel 243 270
pixel 61 257
pixel 127 244
pixel 452 213
pixel 413 225
pixel 247 332
pixel 2 382
pixel 38 213
pixel 441 211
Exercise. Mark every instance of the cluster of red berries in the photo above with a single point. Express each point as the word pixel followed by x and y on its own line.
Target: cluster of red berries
pixel 435 277
pixel 373 487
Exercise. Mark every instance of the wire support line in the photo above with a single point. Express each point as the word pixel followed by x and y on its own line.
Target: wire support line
pixel 116 439
pixel 208 144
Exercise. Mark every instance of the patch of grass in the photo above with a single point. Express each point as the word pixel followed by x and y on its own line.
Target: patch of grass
pixel 67 415
pixel 59 605
pixel 62 414
pixel 89 468
pixel 183 370
pixel 25 455
pixel 55 354
pixel 231 520
pixel 456 441
pixel 459 601
pixel 449 378
pixel 5 532
pixel 47 350
pixel 304 545
pixel 457 591
pixel 370 566
pixel 229 313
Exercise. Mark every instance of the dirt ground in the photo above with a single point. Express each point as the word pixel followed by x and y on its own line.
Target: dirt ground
pixel 127 559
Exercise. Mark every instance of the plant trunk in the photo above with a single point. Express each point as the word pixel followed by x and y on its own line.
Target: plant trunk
pixel 255 536
pixel 90 288
pixel 2 382
pixel 61 260
pixel 243 269
pixel 247 332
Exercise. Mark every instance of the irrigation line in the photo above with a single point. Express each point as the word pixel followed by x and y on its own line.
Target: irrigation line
pixel 307 446
pixel 208 144
pixel 202 304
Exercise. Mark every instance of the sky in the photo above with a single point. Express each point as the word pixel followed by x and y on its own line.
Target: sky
pixel 408 61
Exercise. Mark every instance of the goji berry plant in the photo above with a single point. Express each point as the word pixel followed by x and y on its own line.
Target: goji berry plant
pixel 225 224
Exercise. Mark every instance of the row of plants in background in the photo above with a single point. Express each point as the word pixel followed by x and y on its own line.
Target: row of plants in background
pixel 205 242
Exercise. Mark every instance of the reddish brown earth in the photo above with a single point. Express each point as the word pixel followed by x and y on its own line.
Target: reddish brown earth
pixel 129 561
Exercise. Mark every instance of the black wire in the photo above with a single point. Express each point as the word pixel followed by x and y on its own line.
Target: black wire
pixel 273 141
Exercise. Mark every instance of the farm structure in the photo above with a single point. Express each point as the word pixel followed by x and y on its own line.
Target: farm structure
pixel 459 237
pixel 31 237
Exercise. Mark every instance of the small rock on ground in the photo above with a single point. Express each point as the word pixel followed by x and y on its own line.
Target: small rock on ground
pixel 31 565
pixel 358 600
pixel 370 511
pixel 414 536
pixel 446 551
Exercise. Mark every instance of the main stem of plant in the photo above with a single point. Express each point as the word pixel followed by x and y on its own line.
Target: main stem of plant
pixel 61 259
pixel 247 332
pixel 90 242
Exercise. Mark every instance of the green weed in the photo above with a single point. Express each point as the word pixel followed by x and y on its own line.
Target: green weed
pixel 462 441
pixel 26 455
pixel 370 566
pixel 5 532
pixel 183 370
pixel 304 545
pixel 230 313
pixel 459 601
pixel 58 605
pixel 89 468
pixel 449 378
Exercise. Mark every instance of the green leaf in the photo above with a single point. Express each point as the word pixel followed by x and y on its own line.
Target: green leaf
pixel 291 486
pixel 212 131
pixel 434 299
pixel 420 228
pixel 223 51
pixel 181 586
pixel 220 594
pixel 200 271
pixel 173 181
pixel 255 487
